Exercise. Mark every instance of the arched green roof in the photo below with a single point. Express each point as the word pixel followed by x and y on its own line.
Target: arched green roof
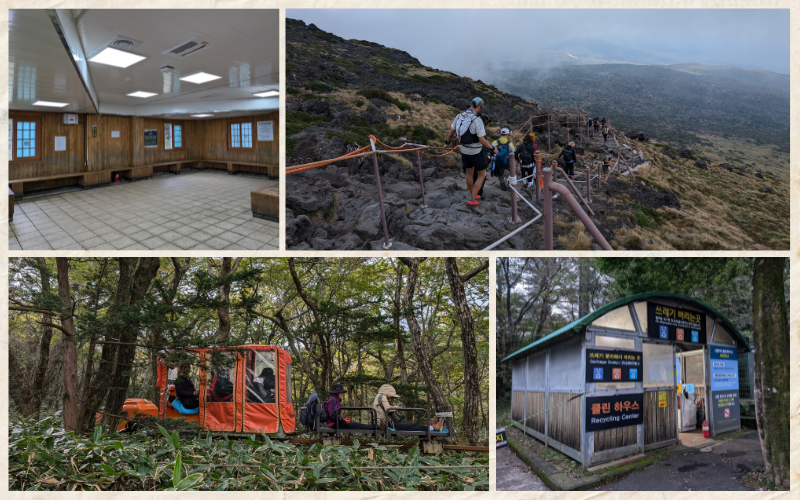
pixel 577 326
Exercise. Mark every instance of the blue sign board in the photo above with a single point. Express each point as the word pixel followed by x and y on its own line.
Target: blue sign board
pixel 724 369
pixel 598 373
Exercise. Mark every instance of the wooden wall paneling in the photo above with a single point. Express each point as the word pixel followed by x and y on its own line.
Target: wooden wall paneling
pixel 535 405
pixel 564 424
pixel 517 401
pixel 105 151
pixel 52 162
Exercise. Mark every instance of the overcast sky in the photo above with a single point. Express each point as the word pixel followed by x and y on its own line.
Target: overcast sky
pixel 445 39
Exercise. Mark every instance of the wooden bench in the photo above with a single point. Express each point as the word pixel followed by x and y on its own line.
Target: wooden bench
pixel 10 204
pixel 98 178
pixel 265 203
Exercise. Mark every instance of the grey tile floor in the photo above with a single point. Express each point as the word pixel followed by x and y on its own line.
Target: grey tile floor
pixel 203 210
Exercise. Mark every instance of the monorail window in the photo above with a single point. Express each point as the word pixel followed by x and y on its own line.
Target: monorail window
pixel 220 386
pixel 288 383
pixel 260 377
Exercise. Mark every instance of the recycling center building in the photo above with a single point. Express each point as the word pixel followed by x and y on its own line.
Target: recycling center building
pixel 629 377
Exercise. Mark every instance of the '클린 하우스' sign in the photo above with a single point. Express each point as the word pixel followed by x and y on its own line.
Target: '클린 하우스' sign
pixel 610 412
pixel 613 365
pixel 676 324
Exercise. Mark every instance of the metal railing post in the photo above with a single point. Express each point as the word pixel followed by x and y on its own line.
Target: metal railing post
pixel 421 184
pixel 548 210
pixel 513 175
pixel 548 132
pixel 538 177
pixel 386 243
pixel 599 174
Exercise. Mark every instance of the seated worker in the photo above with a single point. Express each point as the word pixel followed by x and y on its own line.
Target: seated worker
pixel 262 388
pixel 221 388
pixel 333 403
pixel 382 404
pixel 185 391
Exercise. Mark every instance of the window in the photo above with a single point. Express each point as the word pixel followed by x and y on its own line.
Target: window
pixel 27 139
pixel 260 377
pixel 241 135
pixel 173 136
pixel 220 384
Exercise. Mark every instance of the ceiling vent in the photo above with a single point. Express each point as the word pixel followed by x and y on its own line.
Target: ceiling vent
pixel 123 43
pixel 189 48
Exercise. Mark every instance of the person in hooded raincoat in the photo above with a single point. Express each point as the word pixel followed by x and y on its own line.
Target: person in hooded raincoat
pixel 383 401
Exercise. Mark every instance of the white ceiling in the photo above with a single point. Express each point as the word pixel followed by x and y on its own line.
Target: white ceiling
pixel 244 54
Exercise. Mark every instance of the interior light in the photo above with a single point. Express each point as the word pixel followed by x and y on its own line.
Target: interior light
pixel 141 94
pixel 267 93
pixel 203 115
pixel 118 58
pixel 200 78
pixel 51 104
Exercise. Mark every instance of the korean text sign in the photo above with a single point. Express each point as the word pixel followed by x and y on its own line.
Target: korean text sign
pixel 610 412
pixel 676 324
pixel 617 365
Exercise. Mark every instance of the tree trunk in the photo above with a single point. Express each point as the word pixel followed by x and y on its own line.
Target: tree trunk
pixel 69 367
pixel 423 361
pixel 771 385
pixel 129 333
pixel 472 409
pixel 583 287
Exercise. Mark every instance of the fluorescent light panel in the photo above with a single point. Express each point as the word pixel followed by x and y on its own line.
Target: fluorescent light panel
pixel 51 104
pixel 202 115
pixel 200 77
pixel 141 94
pixel 118 58
pixel 267 93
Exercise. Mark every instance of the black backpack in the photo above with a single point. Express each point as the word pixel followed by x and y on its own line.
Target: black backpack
pixel 526 152
pixel 309 412
pixel 567 155
pixel 224 387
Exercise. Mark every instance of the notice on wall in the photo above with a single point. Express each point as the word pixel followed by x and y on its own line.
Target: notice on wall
pixel 94 130
pixel 725 410
pixel 662 399
pixel 501 439
pixel 167 136
pixel 610 412
pixel 617 365
pixel 724 368
pixel 61 143
pixel 115 134
pixel 151 138
pixel 675 323
pixel 265 131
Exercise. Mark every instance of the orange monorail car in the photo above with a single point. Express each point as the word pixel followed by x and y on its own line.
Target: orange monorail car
pixel 237 405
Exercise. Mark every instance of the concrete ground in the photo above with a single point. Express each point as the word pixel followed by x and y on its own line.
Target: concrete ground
pixel 513 475
pixel 718 469
pixel 205 210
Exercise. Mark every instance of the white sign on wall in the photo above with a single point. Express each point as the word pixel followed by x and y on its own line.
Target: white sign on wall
pixel 115 134
pixel 167 136
pixel 61 143
pixel 265 131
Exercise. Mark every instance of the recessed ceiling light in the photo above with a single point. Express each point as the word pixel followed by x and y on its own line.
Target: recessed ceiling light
pixel 203 115
pixel 267 93
pixel 200 78
pixel 51 104
pixel 141 94
pixel 118 58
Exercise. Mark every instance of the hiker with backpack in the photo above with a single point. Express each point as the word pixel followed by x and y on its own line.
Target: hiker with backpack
pixel 607 163
pixel 596 124
pixel 470 133
pixel 606 131
pixel 526 158
pixel 486 152
pixel 382 405
pixel 503 148
pixel 569 156
pixel 331 413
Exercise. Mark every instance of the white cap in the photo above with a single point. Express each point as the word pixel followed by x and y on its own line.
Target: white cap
pixel 504 131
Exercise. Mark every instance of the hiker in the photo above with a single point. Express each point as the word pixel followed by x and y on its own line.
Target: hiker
pixel 469 133
pixel 504 148
pixel 220 390
pixel 606 131
pixel 185 391
pixel 382 403
pixel 568 153
pixel 607 163
pixel 262 388
pixel 526 158
pixel 487 152
pixel 596 124
pixel 332 406
pixel 603 121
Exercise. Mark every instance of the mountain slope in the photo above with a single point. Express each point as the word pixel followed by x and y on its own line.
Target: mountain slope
pixel 341 91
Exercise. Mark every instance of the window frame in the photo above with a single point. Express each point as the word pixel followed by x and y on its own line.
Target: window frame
pixel 229 123
pixel 172 124
pixel 40 137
